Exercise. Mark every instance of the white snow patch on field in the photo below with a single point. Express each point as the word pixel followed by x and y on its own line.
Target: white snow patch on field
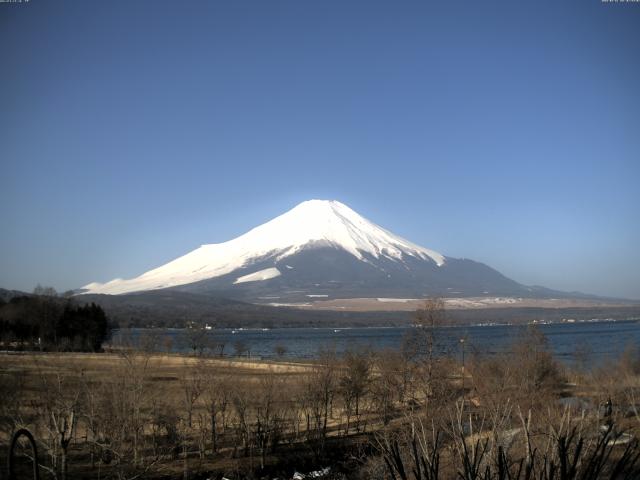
pixel 396 300
pixel 475 302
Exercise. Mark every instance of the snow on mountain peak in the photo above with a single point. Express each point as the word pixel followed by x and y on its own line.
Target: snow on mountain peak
pixel 313 222
pixel 335 223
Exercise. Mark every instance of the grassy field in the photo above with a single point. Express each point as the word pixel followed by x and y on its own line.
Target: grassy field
pixel 140 414
pixel 162 388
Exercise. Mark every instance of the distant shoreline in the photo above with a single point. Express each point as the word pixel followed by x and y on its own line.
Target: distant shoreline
pixel 365 327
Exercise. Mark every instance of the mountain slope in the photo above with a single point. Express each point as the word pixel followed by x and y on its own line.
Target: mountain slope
pixel 320 249
pixel 324 272
pixel 314 223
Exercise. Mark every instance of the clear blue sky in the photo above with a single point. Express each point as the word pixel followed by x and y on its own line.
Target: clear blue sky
pixel 506 132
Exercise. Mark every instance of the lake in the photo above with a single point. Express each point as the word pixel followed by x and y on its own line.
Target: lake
pixel 602 339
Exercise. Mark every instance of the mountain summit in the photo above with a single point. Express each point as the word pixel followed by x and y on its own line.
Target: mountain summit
pixel 320 248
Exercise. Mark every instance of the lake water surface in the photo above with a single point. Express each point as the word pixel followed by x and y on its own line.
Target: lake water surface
pixel 602 339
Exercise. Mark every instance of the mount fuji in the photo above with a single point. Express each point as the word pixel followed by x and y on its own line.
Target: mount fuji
pixel 318 250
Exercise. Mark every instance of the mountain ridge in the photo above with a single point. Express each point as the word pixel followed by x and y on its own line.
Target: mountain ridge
pixel 314 222
pixel 322 249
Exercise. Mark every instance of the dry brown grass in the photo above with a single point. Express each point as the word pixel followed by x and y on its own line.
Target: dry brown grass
pixel 164 379
pixel 500 389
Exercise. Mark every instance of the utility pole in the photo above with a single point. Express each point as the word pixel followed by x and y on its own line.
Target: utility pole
pixel 463 372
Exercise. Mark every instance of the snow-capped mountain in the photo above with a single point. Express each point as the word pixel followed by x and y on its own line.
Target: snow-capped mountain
pixel 318 249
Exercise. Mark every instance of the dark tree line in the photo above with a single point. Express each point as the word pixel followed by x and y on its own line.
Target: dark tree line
pixel 46 321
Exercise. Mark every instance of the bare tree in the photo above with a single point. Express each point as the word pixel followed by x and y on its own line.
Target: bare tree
pixel 120 418
pixel 354 383
pixel 269 413
pixel 240 348
pixel 192 386
pixel 11 406
pixel 422 343
pixel 319 388
pixel 280 350
pixel 197 340
pixel 217 395
pixel 148 341
pixel 538 373
pixel 42 291
pixel 167 343
pixel 59 404
pixel 385 383
pixel 241 403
